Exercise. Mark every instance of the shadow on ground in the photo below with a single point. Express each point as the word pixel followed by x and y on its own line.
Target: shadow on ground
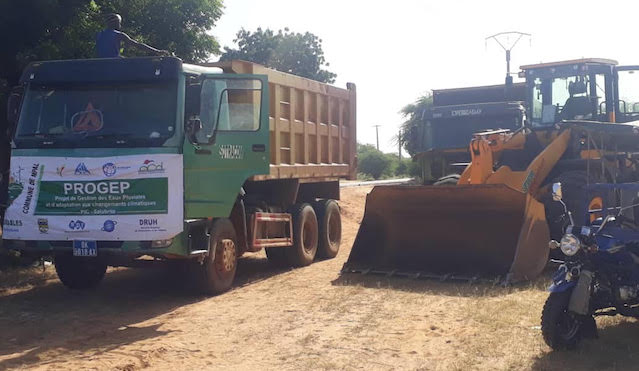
pixel 616 349
pixel 47 316
pixel 439 287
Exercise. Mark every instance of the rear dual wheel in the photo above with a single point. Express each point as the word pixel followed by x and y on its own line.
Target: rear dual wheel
pixel 305 236
pixel 317 232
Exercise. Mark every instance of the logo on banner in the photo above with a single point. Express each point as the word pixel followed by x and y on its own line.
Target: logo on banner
pixel 77 225
pixel 43 225
pixel 60 170
pixel 16 185
pixel 109 169
pixel 150 167
pixel 81 169
pixel 13 222
pixel 149 225
pixel 109 226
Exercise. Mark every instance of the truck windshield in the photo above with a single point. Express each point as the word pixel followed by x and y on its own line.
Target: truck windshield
pixel 97 116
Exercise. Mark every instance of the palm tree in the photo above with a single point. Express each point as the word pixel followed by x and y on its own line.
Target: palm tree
pixel 412 114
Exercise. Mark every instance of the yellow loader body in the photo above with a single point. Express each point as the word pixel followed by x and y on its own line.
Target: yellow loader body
pixel 491 223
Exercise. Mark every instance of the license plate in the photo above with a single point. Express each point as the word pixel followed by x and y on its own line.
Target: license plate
pixel 85 248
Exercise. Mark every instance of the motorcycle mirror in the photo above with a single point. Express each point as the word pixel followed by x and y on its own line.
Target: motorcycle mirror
pixel 556 191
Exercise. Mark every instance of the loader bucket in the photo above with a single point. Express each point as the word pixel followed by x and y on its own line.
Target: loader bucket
pixel 467 230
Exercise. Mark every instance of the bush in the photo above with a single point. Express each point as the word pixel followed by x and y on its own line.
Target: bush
pixel 375 164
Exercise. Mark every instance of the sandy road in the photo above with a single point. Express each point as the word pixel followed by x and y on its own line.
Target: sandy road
pixel 281 319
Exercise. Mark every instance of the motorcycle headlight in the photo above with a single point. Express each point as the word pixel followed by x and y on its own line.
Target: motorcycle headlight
pixel 570 244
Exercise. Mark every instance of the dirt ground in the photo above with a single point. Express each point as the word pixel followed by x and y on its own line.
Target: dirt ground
pixel 283 319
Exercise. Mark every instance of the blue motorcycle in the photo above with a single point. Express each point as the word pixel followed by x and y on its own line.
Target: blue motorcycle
pixel 599 274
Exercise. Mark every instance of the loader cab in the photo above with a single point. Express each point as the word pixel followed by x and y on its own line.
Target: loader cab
pixel 570 90
pixel 627 93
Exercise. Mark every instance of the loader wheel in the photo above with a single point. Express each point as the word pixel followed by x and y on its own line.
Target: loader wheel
pixel 79 273
pixel 305 236
pixel 330 228
pixel 448 180
pixel 219 268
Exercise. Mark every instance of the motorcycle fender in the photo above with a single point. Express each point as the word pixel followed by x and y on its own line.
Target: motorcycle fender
pixel 580 297
pixel 562 286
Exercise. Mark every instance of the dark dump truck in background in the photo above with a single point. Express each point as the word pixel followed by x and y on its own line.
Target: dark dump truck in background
pixel 447 127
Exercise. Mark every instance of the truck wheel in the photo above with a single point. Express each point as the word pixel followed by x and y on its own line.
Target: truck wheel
pixel 79 273
pixel 305 236
pixel 219 271
pixel 330 228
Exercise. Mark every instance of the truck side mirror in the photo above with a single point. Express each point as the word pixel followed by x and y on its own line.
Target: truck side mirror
pixel 13 106
pixel 193 126
pixel 556 191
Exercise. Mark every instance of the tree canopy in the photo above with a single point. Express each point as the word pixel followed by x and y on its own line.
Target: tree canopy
pixel 412 114
pixel 286 51
pixel 42 29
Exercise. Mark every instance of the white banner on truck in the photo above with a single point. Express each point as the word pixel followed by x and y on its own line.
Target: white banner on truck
pixel 130 198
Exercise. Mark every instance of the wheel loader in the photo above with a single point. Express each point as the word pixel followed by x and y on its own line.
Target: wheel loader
pixel 498 220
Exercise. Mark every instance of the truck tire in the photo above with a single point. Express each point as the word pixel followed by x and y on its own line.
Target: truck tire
pixel 79 273
pixel 330 228
pixel 305 236
pixel 220 267
pixel 448 180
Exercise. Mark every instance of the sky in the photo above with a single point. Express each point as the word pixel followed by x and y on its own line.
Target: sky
pixel 395 51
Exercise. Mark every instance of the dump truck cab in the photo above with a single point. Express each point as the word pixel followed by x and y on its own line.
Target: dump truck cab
pixel 117 162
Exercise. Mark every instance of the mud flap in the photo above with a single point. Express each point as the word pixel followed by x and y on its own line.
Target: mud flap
pixel 475 230
pixel 580 296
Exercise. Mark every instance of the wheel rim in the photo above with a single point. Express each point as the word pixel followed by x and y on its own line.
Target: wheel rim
pixel 334 229
pixel 308 236
pixel 568 326
pixel 226 256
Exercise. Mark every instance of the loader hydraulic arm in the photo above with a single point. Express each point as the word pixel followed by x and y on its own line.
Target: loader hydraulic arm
pixel 486 149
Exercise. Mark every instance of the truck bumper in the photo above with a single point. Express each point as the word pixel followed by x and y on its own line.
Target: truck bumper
pixel 178 249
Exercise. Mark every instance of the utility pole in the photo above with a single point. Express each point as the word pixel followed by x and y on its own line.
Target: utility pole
pixel 508 44
pixel 377 134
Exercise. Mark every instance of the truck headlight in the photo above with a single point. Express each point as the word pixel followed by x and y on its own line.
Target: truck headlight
pixel 570 244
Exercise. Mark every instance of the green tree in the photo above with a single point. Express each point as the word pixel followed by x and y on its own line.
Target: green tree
pixel 42 29
pixel 295 53
pixel 412 114
pixel 373 162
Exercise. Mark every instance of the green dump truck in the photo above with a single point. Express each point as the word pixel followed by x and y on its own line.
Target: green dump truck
pixel 119 162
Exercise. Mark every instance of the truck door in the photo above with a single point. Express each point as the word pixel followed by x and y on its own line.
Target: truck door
pixel 627 93
pixel 226 141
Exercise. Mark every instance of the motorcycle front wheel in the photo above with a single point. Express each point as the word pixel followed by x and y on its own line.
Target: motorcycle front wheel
pixel 560 328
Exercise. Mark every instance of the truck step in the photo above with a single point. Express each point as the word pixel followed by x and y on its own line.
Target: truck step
pixel 262 217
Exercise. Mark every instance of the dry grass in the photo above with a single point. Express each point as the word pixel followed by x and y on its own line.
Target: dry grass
pixel 282 319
